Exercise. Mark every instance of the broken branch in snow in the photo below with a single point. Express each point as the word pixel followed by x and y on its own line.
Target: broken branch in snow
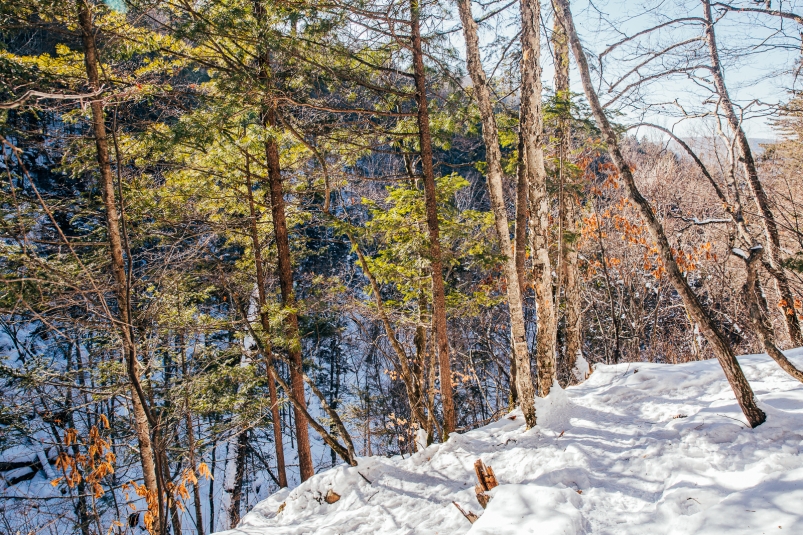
pixel 487 481
pixel 471 517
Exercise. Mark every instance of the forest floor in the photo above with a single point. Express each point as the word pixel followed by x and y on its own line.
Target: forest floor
pixel 636 449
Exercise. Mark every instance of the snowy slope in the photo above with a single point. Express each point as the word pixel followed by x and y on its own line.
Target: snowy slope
pixel 610 456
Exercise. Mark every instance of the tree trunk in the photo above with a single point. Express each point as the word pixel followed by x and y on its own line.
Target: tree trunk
pixel 490 134
pixel 520 239
pixel 142 421
pixel 733 372
pixel 236 489
pixel 532 132
pixel 757 308
pixel 288 295
pixel 268 118
pixel 211 495
pixel 265 321
pixel 438 292
pixel 570 207
pixel 196 491
pixel 408 377
pixel 773 258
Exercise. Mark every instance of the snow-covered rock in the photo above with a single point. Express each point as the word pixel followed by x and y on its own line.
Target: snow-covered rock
pixel 638 448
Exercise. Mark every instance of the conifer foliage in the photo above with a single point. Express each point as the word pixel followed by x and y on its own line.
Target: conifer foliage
pixel 243 241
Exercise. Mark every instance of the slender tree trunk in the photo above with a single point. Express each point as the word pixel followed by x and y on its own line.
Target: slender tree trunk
pixel 757 308
pixel 211 495
pixel 422 364
pixel 414 390
pixel 288 295
pixel 345 452
pixel 490 134
pixel 570 208
pixel 438 292
pixel 196 491
pixel 237 483
pixel 724 353
pixel 278 440
pixel 773 258
pixel 520 238
pixel 269 121
pixel 80 506
pixel 142 422
pixel 532 132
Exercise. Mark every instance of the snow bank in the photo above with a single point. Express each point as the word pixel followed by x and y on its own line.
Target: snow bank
pixel 638 448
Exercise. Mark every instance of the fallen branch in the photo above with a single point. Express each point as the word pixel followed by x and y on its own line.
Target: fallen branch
pixel 471 517
pixel 50 96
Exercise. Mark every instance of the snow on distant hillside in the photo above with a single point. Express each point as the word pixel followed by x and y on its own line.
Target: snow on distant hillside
pixel 637 449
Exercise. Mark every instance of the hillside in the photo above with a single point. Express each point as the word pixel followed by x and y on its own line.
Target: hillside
pixel 637 448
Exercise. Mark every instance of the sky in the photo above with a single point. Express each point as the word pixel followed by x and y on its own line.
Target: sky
pixel 759 55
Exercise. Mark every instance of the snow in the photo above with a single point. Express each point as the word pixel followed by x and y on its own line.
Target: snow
pixel 637 448
pixel 581 368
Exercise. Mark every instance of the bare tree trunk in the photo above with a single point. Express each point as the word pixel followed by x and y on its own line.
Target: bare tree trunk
pixel 265 320
pixel 773 258
pixel 345 452
pixel 724 353
pixel 570 209
pixel 410 379
pixel 757 308
pixel 532 132
pixel 196 491
pixel 520 239
pixel 211 493
pixel 236 489
pixel 490 134
pixel 438 292
pixel 142 422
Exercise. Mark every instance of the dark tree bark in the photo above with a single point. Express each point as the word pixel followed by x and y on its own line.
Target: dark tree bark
pixel 285 267
pixel 438 292
pixel 262 300
pixel 288 295
pixel 193 462
pixel 239 476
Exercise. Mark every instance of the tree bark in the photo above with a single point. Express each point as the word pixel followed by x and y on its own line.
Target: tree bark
pixel 438 291
pixel 570 207
pixel 413 387
pixel 278 440
pixel 236 489
pixel 532 132
pixel 288 295
pixel 724 353
pixel 757 308
pixel 285 267
pixel 142 421
pixel 196 491
pixel 490 134
pixel 773 258
pixel 520 239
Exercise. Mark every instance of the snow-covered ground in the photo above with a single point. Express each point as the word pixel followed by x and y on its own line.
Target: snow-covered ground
pixel 636 449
